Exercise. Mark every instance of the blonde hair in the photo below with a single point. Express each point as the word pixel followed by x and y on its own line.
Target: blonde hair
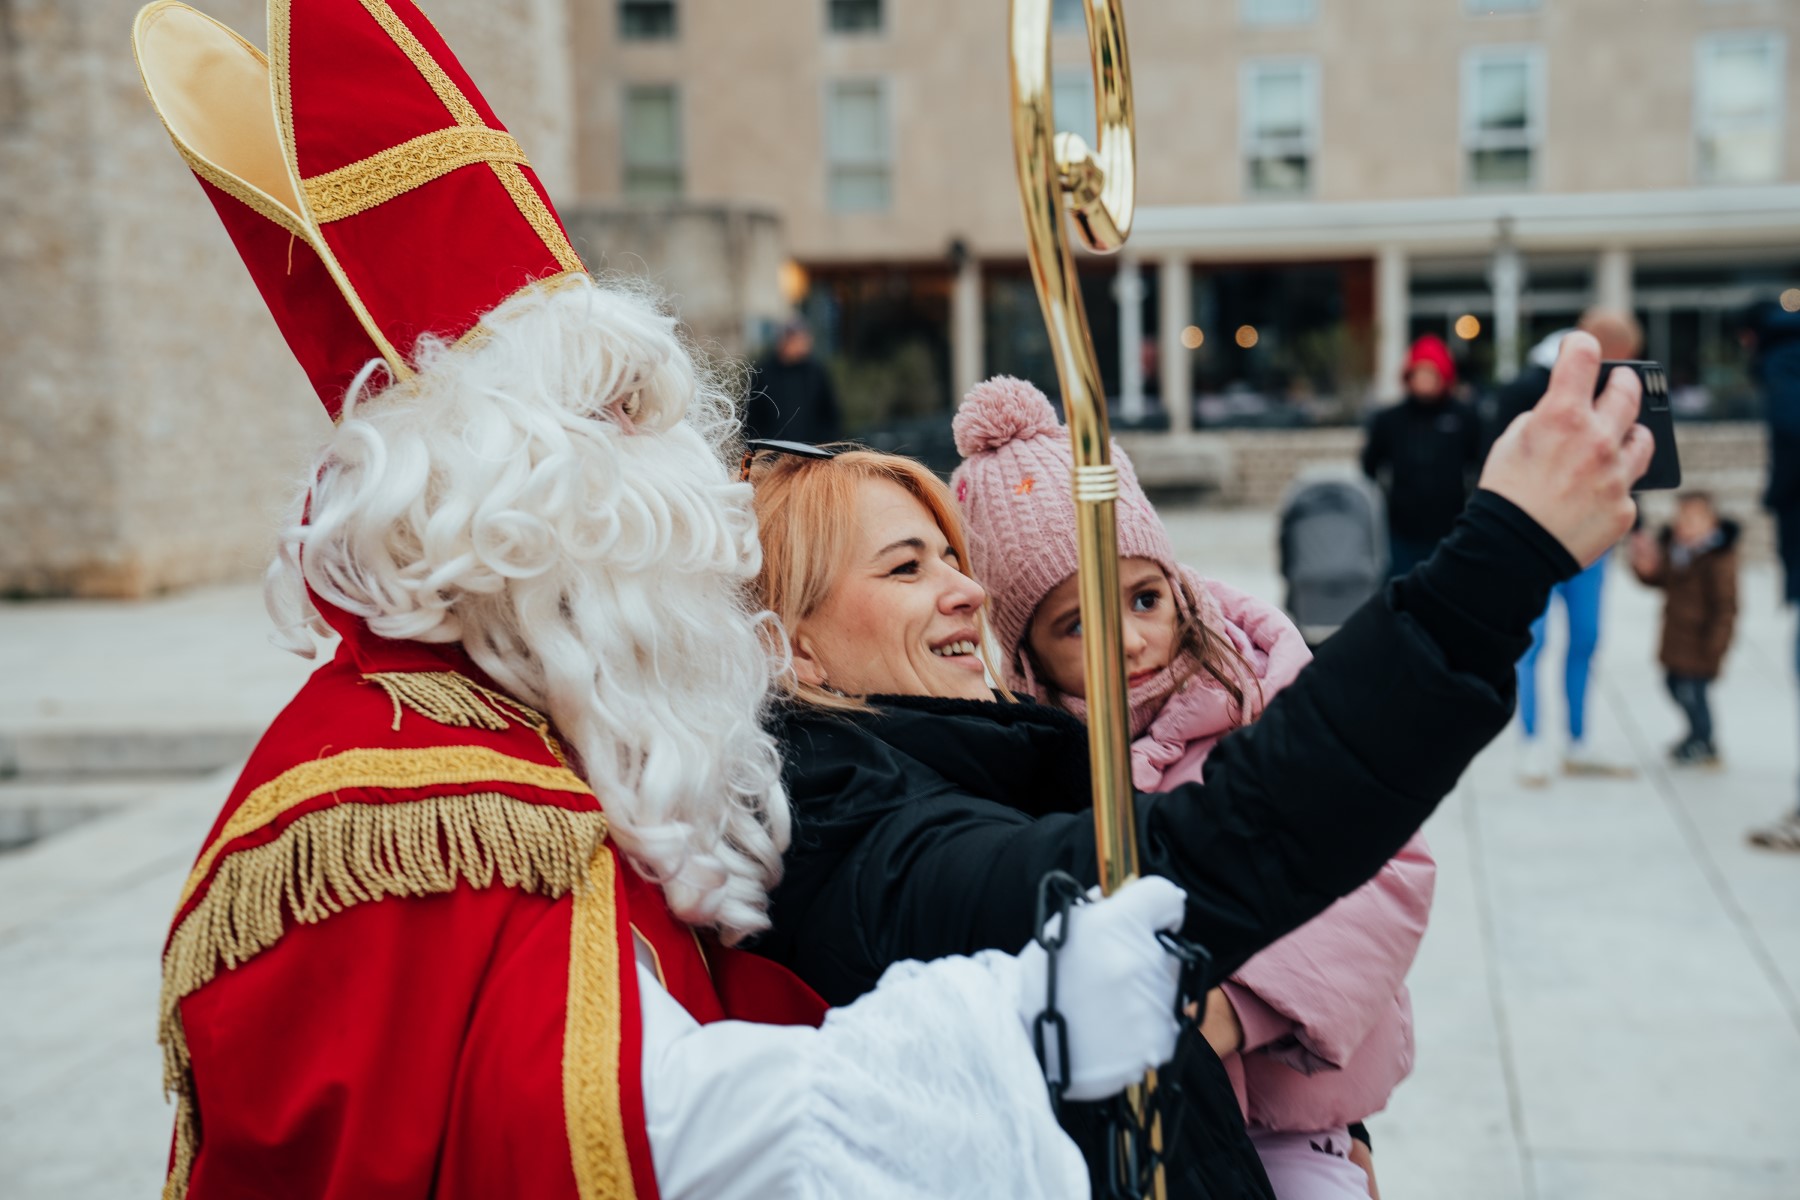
pixel 806 517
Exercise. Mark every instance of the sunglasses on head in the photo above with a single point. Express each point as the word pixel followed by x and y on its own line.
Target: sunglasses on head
pixel 756 446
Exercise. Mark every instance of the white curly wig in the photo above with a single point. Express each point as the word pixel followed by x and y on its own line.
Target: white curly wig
pixel 555 497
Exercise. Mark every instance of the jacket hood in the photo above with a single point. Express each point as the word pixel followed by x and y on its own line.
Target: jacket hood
pixel 1724 538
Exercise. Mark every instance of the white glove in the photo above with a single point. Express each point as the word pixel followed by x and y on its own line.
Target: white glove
pixel 1115 987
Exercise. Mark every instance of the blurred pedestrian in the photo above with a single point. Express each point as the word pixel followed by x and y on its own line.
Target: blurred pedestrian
pixel 1694 561
pixel 1776 338
pixel 1620 337
pixel 791 395
pixel 1424 452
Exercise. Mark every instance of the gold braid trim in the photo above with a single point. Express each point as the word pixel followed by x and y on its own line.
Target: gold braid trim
pixel 349 854
pixel 538 215
pixel 427 766
pixel 591 1037
pixel 531 206
pixel 282 93
pixel 397 170
pixel 440 81
pixel 251 197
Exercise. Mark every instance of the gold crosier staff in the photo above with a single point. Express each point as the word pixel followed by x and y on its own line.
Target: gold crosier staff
pixel 1100 185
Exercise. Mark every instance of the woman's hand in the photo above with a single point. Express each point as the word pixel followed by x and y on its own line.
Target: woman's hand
pixel 1220 1025
pixel 1115 987
pixel 1570 462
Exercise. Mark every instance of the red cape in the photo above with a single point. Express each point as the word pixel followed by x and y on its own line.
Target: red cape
pixel 403 964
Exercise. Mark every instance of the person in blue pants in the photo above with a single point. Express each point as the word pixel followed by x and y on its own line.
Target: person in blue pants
pixel 1620 337
pixel 1580 598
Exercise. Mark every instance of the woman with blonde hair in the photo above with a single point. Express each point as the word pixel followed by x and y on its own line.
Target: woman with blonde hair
pixel 926 812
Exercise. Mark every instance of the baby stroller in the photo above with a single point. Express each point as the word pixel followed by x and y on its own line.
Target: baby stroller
pixel 1333 547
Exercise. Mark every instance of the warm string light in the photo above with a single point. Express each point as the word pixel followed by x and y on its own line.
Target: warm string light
pixel 1468 327
pixel 1790 300
pixel 1193 337
pixel 1246 336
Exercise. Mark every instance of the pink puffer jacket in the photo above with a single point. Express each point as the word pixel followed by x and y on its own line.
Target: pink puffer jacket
pixel 1327 1022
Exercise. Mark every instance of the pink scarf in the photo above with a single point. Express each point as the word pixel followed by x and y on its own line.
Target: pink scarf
pixel 1171 722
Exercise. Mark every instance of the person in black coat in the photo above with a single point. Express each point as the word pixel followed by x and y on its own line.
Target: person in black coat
pixel 1774 335
pixel 791 396
pixel 1424 453
pixel 926 811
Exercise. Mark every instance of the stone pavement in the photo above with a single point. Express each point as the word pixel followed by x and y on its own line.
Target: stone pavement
pixel 1606 1001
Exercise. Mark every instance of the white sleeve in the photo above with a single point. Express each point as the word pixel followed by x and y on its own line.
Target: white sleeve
pixel 926 1087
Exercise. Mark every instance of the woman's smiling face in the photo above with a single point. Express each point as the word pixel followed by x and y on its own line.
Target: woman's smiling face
pixel 901 617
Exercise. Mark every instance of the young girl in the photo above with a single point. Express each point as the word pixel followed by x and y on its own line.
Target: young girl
pixel 1317 1030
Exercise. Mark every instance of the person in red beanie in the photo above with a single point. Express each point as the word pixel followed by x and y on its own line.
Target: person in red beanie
pixel 1424 453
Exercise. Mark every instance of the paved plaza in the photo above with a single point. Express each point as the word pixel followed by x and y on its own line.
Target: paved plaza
pixel 1606 1001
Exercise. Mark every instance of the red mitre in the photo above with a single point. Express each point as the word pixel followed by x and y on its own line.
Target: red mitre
pixel 373 194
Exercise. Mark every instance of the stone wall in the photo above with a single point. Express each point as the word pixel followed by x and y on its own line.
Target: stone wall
pixel 152 422
pixel 719 266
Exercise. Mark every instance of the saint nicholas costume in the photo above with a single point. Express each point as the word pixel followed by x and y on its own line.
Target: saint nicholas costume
pixel 409 960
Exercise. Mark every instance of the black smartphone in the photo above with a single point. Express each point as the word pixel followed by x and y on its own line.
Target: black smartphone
pixel 1654 415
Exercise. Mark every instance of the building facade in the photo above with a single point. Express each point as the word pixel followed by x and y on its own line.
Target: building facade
pixel 1319 180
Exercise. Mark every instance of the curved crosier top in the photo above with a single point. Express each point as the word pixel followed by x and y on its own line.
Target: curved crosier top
pixel 367 185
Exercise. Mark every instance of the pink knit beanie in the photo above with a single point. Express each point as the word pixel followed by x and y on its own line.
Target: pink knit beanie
pixel 1013 487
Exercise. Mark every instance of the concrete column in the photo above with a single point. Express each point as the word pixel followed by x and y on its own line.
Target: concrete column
pixel 1128 291
pixel 1175 295
pixel 1612 278
pixel 1506 276
pixel 967 362
pixel 1393 318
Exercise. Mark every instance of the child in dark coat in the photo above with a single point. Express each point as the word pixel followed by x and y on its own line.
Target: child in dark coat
pixel 1694 561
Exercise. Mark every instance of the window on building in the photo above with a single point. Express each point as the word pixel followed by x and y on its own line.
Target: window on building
pixel 652 143
pixel 1280 126
pixel 1503 116
pixel 646 20
pixel 1072 102
pixel 1277 12
pixel 1068 14
pixel 859 171
pixel 853 16
pixel 1738 105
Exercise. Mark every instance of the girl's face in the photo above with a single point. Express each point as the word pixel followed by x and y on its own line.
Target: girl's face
pixel 1152 628
pixel 900 618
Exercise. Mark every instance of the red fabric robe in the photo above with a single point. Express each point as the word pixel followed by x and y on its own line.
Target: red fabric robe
pixel 403 965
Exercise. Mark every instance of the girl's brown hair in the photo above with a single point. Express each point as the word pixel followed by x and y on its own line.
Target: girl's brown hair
pixel 806 518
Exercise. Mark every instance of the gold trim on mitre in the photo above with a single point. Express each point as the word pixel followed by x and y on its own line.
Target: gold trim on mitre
pixel 531 206
pixel 380 177
pixel 212 90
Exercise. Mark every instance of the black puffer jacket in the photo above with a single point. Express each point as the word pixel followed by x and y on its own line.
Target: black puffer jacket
pixel 923 827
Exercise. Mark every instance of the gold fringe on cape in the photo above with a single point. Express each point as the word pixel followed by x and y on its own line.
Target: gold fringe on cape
pixel 348 854
pixel 456 700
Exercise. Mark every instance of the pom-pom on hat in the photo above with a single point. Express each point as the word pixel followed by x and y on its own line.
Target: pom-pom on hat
pixel 1014 491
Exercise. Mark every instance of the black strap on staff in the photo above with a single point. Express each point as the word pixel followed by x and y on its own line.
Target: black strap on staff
pixel 1131 1158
